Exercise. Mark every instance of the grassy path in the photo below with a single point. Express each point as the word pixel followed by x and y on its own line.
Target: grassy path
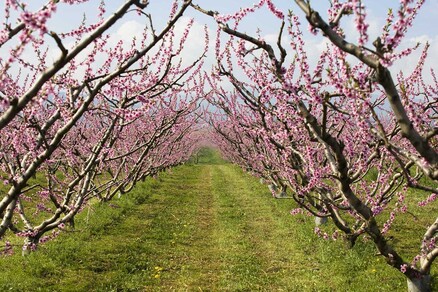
pixel 204 227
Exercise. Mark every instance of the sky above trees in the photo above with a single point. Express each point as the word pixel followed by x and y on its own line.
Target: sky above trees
pixel 423 30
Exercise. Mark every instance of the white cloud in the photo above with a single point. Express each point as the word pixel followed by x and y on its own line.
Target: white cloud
pixel 195 44
pixel 408 64
pixel 128 30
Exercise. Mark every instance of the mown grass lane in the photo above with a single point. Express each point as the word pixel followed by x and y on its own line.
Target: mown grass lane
pixel 199 227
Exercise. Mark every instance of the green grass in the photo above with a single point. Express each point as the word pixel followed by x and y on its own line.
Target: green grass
pixel 204 226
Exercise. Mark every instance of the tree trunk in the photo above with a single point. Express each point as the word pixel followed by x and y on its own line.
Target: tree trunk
pixel 282 194
pixel 420 284
pixel 320 220
pixel 72 223
pixel 273 189
pixel 30 245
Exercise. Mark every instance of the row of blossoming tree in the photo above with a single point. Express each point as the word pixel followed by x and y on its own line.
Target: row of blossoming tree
pixel 83 116
pixel 344 138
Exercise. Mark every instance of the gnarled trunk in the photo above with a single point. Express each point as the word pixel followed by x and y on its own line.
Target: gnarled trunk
pixel 30 245
pixel 419 284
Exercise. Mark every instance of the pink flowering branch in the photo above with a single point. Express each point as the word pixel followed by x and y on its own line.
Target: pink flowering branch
pixel 383 77
pixel 18 104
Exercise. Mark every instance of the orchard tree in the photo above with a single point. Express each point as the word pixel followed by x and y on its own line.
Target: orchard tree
pixel 241 135
pixel 332 122
pixel 414 116
pixel 72 119
pixel 143 152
